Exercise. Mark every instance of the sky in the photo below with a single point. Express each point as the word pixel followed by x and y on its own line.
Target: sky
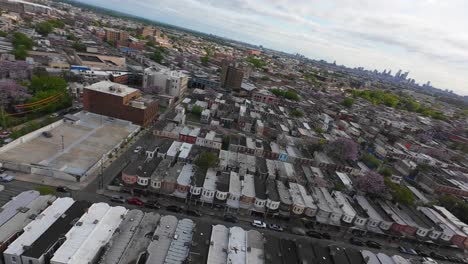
pixel 428 38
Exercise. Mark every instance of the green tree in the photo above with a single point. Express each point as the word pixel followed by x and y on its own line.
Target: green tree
pixel 348 102
pixel 56 23
pixel 20 53
pixel 297 113
pixel 204 60
pixel 44 28
pixel 385 171
pixel 257 63
pixel 78 46
pixel 400 194
pixel 20 39
pixel 3 34
pixel 157 56
pixel 207 160
pixel 370 160
pixel 44 87
pixel 46 190
pixel 197 110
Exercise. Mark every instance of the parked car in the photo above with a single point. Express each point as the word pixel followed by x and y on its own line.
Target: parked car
pixel 137 149
pixel 438 256
pixel 356 242
pixel 173 208
pixel 117 199
pixel 298 231
pixel 421 253
pixel 2 170
pixel 6 178
pixel 62 189
pixel 230 218
pixel 318 235
pixel 275 227
pixel 54 115
pixel 135 201
pixel 152 205
pixel 426 260
pixel 194 213
pixel 259 224
pixel 373 244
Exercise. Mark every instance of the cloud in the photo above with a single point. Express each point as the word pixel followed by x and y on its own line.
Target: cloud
pixel 425 37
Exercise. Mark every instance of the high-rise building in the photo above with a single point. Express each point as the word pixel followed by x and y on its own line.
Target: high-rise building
pixel 116 35
pixel 231 76
pixel 151 31
pixel 168 82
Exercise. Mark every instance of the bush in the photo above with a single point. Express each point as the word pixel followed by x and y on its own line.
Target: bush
pixel 348 102
pixel 46 190
pixel 197 110
pixel 370 160
pixel 44 28
pixel 207 160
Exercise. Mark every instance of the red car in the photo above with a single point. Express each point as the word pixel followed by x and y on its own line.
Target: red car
pixel 135 201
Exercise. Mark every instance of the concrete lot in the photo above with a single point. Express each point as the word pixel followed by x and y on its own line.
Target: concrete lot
pixel 84 143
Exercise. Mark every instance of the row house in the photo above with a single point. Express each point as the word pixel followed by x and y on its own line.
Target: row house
pixel 164 178
pixel 375 219
pixel 235 189
pixel 247 198
pixel 183 181
pixel 349 214
pixel 209 140
pixel 323 209
pixel 285 199
pixel 302 201
pixel 189 135
pixel 260 194
pixel 209 186
pixel 399 224
pixel 273 200
pixel 444 233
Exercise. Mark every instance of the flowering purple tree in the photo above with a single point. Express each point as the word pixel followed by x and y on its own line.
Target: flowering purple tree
pixel 343 148
pixel 371 183
pixel 10 91
pixel 437 153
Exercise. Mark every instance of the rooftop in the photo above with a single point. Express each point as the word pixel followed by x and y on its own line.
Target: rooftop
pixel 236 246
pixel 162 238
pixel 112 88
pixel 40 225
pixel 57 230
pixel 179 249
pixel 248 186
pixel 12 207
pixel 217 253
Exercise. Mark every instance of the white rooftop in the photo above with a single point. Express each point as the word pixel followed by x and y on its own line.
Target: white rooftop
pixel 111 88
pixel 37 227
pixel 185 175
pixel 210 180
pixel 236 247
pixel 185 150
pixel 162 239
pixel 10 209
pixel 217 253
pixel 344 204
pixel 248 186
pixel 371 212
pixel 344 179
pixel 179 248
pixel 234 183
pixel 174 148
pixel 80 232
pixel 99 237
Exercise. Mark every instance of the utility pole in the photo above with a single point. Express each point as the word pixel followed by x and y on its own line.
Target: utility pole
pixel 63 144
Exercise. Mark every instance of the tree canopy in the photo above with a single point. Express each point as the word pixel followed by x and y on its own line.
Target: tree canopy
pixel 371 182
pixel 289 94
pixel 207 160
pixel 343 148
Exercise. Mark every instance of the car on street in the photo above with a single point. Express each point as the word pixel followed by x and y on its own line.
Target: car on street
pixel 152 205
pixel 135 201
pixel 117 199
pixel 193 213
pixel 230 218
pixel 47 134
pixel 137 149
pixel 315 234
pixel 438 256
pixel 2 170
pixel 408 251
pixel 62 189
pixel 54 115
pixel 373 244
pixel 298 231
pixel 6 178
pixel 259 224
pixel 275 227
pixel 356 242
pixel 174 208
pixel 421 253
pixel 426 260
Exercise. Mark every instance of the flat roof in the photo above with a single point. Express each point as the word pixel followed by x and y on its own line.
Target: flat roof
pixel 201 243
pixel 368 208
pixel 296 194
pixel 236 245
pixel 283 192
pixel 80 232
pixel 218 246
pixel 24 217
pixel 185 150
pixel 111 88
pixel 234 183
pixel 370 257
pixel 85 142
pixel 174 148
pixel 248 186
pixel 185 175
pixel 344 178
pixel 260 187
pixel 272 250
pixel 140 240
pixel 99 236
pixel 210 180
pixel 179 248
pixel 12 207
pixel 162 238
pixel 121 239
pixel 288 251
pixel 271 191
pixel 343 203
pixel 57 230
pixel 254 242
pixel 384 258
pixel 40 225
pixel 338 254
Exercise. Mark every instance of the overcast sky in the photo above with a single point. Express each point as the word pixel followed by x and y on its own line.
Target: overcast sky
pixel 428 38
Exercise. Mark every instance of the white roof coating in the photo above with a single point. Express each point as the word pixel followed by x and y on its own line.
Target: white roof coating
pixel 111 88
pixel 331 202
pixel 283 192
pixel 185 150
pixel 371 212
pixel 254 242
pixel 418 194
pixel 248 186
pixel 175 146
pixel 369 257
pixel 185 175
pixel 236 247
pixel 37 227
pixel 99 236
pixel 162 239
pixel 296 194
pixel 179 249
pixel 308 200
pixel 122 238
pixel 400 260
pixel 322 202
pixel 80 232
pixel 452 218
pixel 384 258
pixel 217 253
pixel 344 179
pixel 344 204
pixel 234 183
pixel 10 209
pixel 210 180
pixel 20 220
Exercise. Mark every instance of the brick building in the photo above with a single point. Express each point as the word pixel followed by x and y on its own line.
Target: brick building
pixel 120 101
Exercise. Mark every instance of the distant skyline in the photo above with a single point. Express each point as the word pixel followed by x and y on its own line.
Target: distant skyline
pixel 425 37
